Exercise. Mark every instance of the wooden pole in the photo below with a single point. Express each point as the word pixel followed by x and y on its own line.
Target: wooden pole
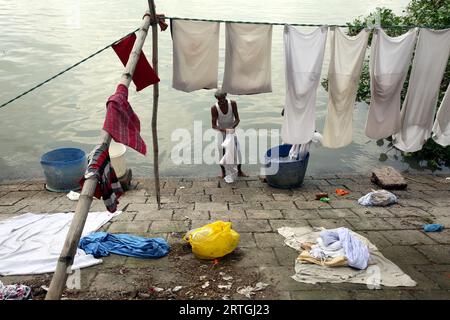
pixel 151 4
pixel 84 203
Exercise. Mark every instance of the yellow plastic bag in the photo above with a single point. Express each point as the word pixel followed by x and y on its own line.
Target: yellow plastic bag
pixel 213 240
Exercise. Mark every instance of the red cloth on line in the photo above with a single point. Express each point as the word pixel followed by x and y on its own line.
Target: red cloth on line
pixel 144 75
pixel 122 123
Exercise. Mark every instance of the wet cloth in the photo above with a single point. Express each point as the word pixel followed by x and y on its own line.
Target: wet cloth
pixel 390 59
pixel 32 243
pixel 347 56
pixel 304 57
pixel 108 186
pixel 195 54
pixel 247 59
pixel 143 75
pixel 122 123
pixel 232 155
pixel 441 127
pixel 378 198
pixel 430 61
pixel 380 271
pixel 101 244
pixel 14 292
pixel 434 227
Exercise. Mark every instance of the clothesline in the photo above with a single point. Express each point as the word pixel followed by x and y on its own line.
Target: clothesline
pixel 305 24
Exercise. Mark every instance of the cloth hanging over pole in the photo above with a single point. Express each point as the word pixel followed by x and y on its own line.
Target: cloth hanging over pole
pixel 63 268
pixel 151 4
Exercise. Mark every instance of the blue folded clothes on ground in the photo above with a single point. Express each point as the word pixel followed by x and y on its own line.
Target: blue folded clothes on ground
pixel 434 227
pixel 101 244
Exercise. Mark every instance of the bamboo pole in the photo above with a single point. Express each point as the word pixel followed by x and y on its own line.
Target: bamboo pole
pixel 151 4
pixel 76 227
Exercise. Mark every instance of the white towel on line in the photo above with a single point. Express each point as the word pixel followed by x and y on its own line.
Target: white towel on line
pixel 248 59
pixel 390 59
pixel 430 61
pixel 441 128
pixel 304 57
pixel 347 57
pixel 195 55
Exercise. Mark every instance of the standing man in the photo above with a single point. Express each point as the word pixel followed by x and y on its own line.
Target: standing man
pixel 225 117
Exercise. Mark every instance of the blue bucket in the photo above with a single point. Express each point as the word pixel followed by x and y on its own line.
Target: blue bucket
pixel 290 173
pixel 63 169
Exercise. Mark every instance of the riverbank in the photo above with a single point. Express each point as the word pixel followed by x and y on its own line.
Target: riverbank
pixel 256 211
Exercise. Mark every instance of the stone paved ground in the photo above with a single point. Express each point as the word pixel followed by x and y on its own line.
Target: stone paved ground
pixel 256 211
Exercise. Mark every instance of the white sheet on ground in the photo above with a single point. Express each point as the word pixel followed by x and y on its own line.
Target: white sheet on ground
pixel 380 271
pixel 195 55
pixel 430 61
pixel 31 243
pixel 304 57
pixel 441 128
pixel 347 56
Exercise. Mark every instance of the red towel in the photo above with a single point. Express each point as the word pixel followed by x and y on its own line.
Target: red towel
pixel 122 123
pixel 144 75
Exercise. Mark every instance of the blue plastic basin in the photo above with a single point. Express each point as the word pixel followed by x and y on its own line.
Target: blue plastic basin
pixel 63 169
pixel 290 173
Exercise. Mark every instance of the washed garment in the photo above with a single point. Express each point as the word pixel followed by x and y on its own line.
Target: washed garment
pixel 379 272
pixel 304 57
pixel 143 75
pixel 108 186
pixel 378 198
pixel 101 244
pixel 195 54
pixel 225 121
pixel 32 243
pixel 430 61
pixel 14 292
pixel 122 123
pixel 347 56
pixel 248 59
pixel 434 227
pixel 232 156
pixel 390 58
pixel 441 127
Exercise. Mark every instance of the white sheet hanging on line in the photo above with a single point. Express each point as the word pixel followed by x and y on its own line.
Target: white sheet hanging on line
pixel 195 54
pixel 31 243
pixel 248 59
pixel 304 57
pixel 347 57
pixel 430 60
pixel 441 128
pixel 390 58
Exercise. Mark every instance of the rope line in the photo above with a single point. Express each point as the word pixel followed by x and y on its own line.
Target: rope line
pixel 305 24
pixel 66 70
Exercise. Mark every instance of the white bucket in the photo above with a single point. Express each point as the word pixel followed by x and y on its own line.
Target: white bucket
pixel 117 155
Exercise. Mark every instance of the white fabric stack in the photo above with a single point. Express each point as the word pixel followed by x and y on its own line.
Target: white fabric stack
pixel 347 56
pixel 195 55
pixel 389 62
pixel 304 57
pixel 441 128
pixel 430 61
pixel 248 59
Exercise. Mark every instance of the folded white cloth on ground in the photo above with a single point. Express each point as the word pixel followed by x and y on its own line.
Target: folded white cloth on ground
pixel 441 128
pixel 304 57
pixel 248 59
pixel 380 270
pixel 31 243
pixel 390 58
pixel 347 57
pixel 195 54
pixel 430 61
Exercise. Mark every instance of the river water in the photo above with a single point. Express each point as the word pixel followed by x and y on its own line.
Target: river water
pixel 40 38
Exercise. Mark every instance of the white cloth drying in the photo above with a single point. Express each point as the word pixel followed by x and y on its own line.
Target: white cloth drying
pixel 347 57
pixel 31 243
pixel 390 59
pixel 248 59
pixel 195 54
pixel 304 57
pixel 441 128
pixel 430 61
